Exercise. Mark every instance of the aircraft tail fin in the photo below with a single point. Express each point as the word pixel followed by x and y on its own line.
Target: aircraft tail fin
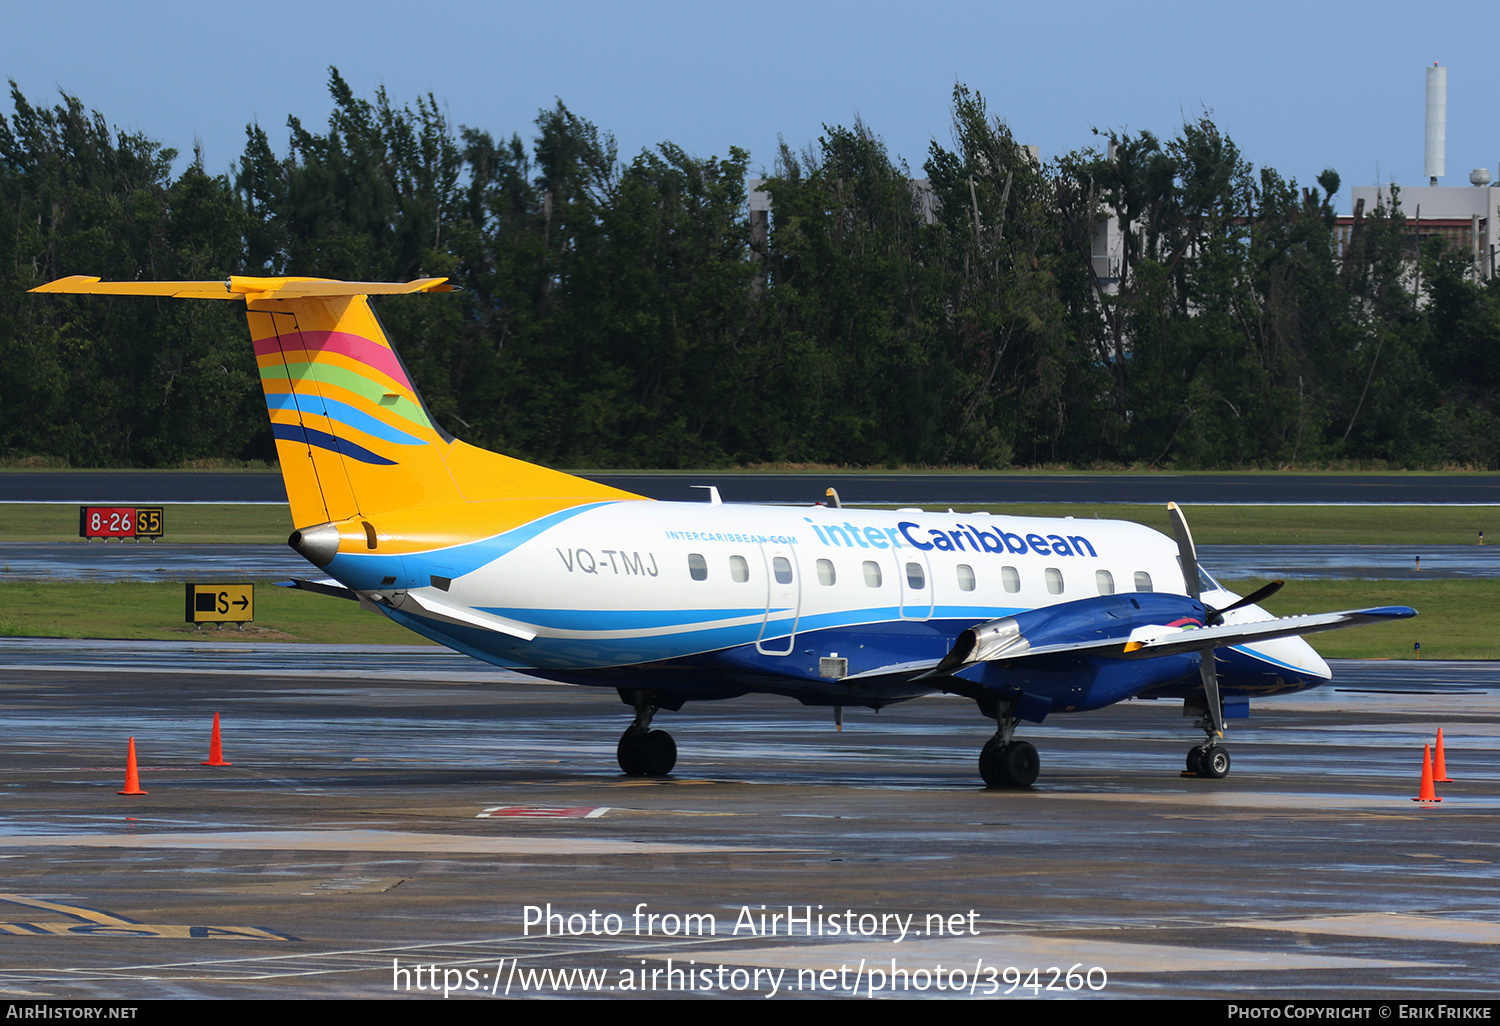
pixel 353 436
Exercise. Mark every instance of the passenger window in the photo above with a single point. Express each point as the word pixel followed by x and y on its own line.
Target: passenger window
pixel 782 568
pixel 965 577
pixel 1106 582
pixel 1142 581
pixel 697 566
pixel 1054 581
pixel 872 574
pixel 826 574
pixel 739 569
pixel 1011 578
pixel 915 578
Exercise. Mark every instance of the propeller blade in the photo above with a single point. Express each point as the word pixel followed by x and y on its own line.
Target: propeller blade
pixel 1186 552
pixel 1254 597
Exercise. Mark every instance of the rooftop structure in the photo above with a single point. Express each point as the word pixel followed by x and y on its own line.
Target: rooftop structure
pixel 1466 219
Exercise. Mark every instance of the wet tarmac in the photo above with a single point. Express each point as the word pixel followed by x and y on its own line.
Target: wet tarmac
pixel 98 561
pixel 1368 562
pixel 393 818
pixel 143 561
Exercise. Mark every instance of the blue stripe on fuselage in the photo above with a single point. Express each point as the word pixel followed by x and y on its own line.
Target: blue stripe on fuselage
pixel 367 571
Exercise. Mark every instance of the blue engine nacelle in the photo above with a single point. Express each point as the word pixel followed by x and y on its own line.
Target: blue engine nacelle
pixel 995 654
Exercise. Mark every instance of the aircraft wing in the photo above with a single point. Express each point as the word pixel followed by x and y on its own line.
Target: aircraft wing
pixel 422 605
pixel 1146 642
pixel 919 667
pixel 1161 641
pixel 1007 641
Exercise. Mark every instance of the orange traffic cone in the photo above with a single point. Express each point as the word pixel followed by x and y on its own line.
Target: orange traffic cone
pixel 132 776
pixel 1428 793
pixel 1439 764
pixel 215 750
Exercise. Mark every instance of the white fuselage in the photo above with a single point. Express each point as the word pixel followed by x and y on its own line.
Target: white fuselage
pixel 628 583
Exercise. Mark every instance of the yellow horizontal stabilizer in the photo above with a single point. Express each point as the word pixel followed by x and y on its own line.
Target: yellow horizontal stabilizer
pixel 238 287
pixel 82 284
pixel 308 288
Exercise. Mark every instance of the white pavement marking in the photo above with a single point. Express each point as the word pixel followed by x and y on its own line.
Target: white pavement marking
pixel 1264 800
pixel 1388 925
pixel 1026 951
pixel 365 840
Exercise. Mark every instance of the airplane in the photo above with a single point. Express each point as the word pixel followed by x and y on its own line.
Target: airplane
pixel 569 580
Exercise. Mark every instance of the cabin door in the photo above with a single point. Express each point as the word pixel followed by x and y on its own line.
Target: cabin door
pixel 914 577
pixel 778 631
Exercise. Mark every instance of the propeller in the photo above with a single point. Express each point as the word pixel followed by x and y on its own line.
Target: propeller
pixel 1217 615
pixel 1188 555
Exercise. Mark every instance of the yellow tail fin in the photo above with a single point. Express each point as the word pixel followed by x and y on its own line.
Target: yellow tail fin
pixel 355 440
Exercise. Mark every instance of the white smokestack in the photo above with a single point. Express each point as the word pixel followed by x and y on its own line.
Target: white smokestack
pixel 1437 122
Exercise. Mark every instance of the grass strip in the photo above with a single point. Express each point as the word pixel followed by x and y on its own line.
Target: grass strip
pixel 154 612
pixel 228 524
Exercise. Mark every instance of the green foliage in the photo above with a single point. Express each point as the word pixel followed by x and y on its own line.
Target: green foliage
pixel 115 381
pixel 617 313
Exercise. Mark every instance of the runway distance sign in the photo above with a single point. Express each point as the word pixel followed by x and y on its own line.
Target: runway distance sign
pixel 220 603
pixel 121 522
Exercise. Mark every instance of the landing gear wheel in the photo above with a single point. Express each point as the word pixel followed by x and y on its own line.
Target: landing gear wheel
pixel 646 753
pixel 1214 764
pixel 1012 765
pixel 1194 757
pixel 629 752
pixel 1021 763
pixel 658 754
pixel 989 763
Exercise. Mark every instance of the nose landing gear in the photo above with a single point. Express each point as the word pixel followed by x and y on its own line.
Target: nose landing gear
pixel 1208 761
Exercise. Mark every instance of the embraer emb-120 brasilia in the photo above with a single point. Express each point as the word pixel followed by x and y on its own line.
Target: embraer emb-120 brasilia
pixel 667 602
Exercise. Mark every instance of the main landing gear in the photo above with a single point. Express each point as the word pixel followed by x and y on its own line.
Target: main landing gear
pixel 644 752
pixel 1006 762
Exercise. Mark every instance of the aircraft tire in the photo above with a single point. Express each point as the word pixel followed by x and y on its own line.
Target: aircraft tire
pixel 1214 764
pixel 629 752
pixel 1021 764
pixel 990 760
pixel 1194 757
pixel 658 753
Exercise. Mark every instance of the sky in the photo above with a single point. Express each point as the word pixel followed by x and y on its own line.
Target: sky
pixel 1298 86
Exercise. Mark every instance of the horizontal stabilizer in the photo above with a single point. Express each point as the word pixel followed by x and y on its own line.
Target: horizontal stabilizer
pixel 240 287
pixel 326 586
